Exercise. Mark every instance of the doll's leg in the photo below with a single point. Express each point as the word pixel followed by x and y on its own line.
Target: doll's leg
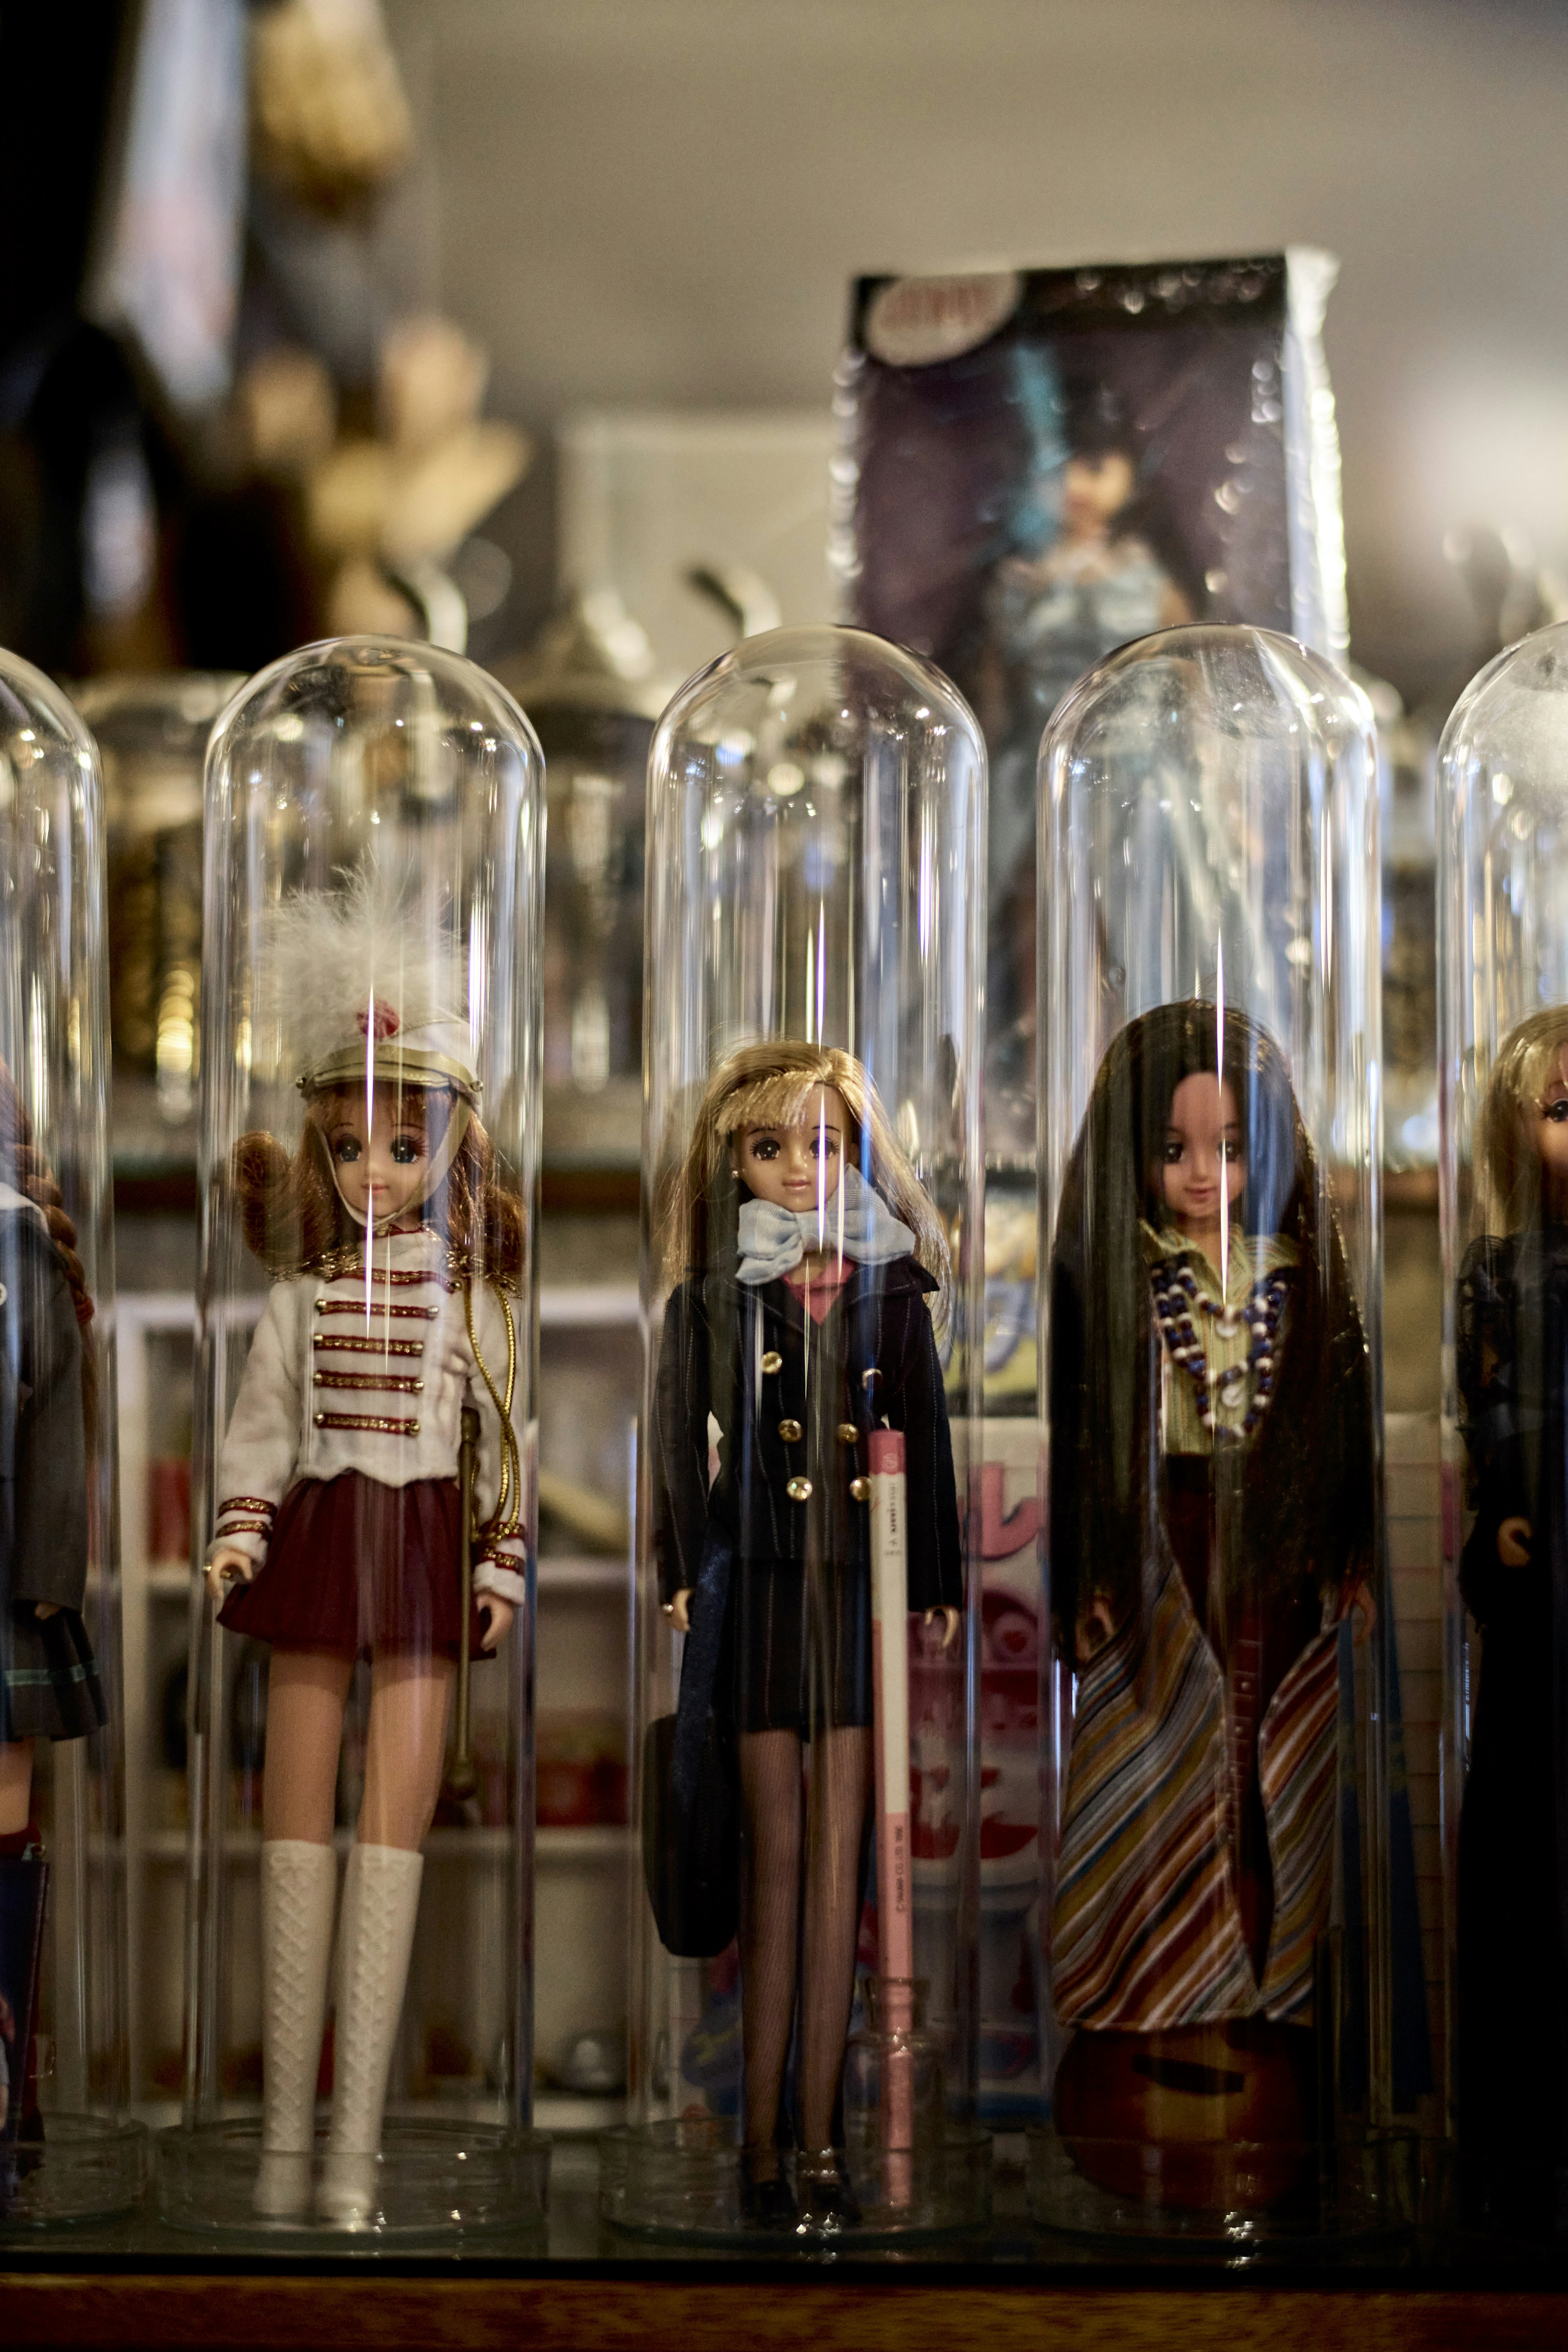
pixel 15 1786
pixel 771 1792
pixel 840 1792
pixel 404 1760
pixel 306 1693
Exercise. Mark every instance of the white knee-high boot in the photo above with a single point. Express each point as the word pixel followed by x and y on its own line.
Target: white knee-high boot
pixel 298 1889
pixel 380 1904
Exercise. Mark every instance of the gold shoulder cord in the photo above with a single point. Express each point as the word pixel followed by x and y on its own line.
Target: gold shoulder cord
pixel 511 1481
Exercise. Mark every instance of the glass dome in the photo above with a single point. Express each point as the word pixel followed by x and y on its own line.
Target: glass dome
pixel 152 734
pixel 1210 1325
pixel 589 687
pixel 1502 875
pixel 364 1476
pixel 806 1614
pixel 68 2150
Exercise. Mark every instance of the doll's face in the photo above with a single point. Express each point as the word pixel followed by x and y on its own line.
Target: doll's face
pixel 1095 489
pixel 1201 1159
pixel 1551 1137
pixel 381 1169
pixel 798 1166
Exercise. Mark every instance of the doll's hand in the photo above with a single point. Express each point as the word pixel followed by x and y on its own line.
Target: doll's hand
pixel 949 1624
pixel 45 1608
pixel 497 1615
pixel 1360 1605
pixel 1513 1542
pixel 1095 1627
pixel 227 1561
pixel 679 1610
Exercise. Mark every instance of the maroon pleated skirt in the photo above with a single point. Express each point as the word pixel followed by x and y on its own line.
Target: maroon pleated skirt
pixel 360 1569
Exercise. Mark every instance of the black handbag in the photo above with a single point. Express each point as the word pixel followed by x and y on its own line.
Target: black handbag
pixel 691 1849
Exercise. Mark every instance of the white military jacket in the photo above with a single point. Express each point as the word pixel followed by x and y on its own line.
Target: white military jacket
pixel 371 1374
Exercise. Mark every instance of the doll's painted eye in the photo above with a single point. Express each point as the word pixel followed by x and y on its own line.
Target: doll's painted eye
pixel 406 1149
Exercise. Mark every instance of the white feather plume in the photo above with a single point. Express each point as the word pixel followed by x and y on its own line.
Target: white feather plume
pixel 332 961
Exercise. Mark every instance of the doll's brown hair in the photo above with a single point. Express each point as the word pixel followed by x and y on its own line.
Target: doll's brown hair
pixel 1301 1493
pixel 293 1216
pixel 770 1084
pixel 1509 1197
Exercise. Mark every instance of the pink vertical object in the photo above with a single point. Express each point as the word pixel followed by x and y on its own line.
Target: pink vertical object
pixel 894 1914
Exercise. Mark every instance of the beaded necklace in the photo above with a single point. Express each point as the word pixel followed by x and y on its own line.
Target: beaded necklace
pixel 1177 1292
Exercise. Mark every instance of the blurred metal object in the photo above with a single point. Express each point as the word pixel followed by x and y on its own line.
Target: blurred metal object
pixel 591 687
pixel 153 732
pixel 1511 592
pixel 742 596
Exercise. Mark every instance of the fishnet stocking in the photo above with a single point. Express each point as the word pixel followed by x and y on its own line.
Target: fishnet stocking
pixel 771 1791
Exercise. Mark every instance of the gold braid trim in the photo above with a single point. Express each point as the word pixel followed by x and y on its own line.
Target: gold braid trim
pixel 512 1460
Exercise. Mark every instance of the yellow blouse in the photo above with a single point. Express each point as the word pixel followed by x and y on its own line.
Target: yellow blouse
pixel 1236 1332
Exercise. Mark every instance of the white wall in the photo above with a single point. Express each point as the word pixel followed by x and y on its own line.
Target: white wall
pixel 646 201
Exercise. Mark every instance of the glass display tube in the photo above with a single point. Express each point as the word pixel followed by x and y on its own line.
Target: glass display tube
pixel 1503 877
pixel 807 1614
pixel 152 733
pixel 1215 1686
pixel 590 690
pixel 364 1473
pixel 68 2150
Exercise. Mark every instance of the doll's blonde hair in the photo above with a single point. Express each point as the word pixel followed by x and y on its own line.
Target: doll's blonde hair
pixel 771 1085
pixel 1507 1164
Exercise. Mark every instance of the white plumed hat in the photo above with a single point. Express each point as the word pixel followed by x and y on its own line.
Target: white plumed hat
pixel 362 985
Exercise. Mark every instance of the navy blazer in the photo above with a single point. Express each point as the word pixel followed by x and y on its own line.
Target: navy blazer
pixel 43 1453
pixel 751 1357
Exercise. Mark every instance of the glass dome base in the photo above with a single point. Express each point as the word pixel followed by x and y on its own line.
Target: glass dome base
pixel 684 2180
pixel 1253 2195
pixel 431 2180
pixel 86 2168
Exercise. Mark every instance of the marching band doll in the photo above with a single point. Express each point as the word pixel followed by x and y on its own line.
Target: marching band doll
pixel 48 1680
pixel 807 1261
pixel 395 1252
pixel 1512 1374
pixel 1211 1520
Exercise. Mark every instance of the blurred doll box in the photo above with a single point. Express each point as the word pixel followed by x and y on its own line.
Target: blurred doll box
pixel 1038 465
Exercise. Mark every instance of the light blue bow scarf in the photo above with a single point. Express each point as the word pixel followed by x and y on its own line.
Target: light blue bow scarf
pixel 857 1222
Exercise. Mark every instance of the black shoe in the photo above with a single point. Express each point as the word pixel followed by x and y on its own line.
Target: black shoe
pixel 826 2203
pixel 766 2202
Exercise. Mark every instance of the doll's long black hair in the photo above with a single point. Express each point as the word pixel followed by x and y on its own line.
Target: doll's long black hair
pixel 1303 1486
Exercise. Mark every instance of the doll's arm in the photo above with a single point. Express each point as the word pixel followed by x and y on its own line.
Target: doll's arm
pixel 500 1565
pixel 936 1550
pixel 680 1447
pixel 259 1453
pixel 51 1470
pixel 1082 1620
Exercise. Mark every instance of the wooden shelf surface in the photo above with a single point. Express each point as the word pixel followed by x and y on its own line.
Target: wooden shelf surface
pixel 616 2313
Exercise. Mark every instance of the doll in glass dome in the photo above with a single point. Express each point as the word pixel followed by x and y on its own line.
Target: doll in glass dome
pixel 49 1686
pixel 807 1261
pixel 395 1252
pixel 1512 1363
pixel 1211 1524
